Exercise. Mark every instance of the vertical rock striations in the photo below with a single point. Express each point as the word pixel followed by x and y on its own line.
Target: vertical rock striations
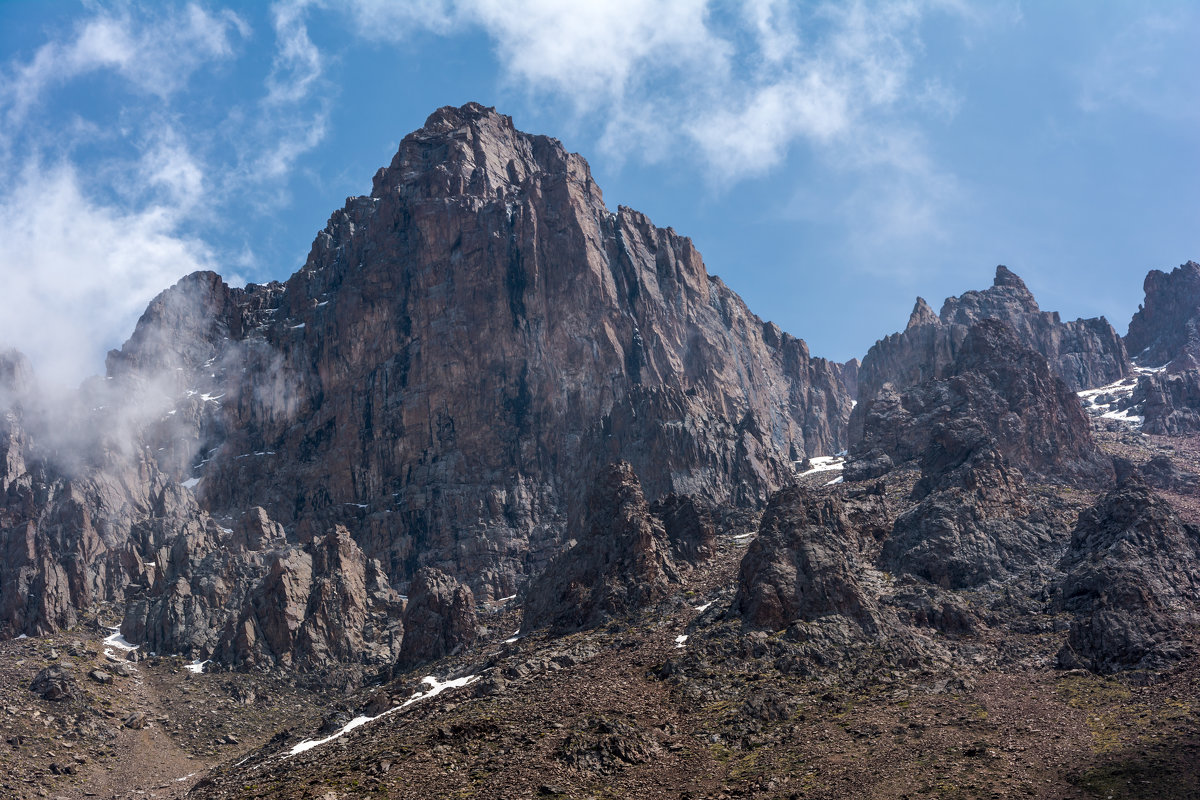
pixel 464 347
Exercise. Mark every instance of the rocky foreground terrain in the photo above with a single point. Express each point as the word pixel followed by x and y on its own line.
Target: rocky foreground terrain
pixel 503 495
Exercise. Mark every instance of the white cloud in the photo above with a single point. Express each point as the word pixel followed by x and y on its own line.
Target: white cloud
pixel 111 223
pixel 737 85
pixel 75 271
pixel 598 52
pixel 156 53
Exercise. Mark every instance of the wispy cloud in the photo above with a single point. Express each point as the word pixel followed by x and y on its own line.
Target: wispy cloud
pixel 105 206
pixel 1139 68
pixel 293 116
pixel 156 52
pixel 75 271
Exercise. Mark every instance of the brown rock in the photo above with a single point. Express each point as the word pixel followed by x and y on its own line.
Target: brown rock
pixel 439 619
pixel 620 565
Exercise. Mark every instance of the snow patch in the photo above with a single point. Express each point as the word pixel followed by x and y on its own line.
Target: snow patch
pixel 705 607
pixel 196 667
pixel 1114 401
pixel 681 640
pixel 436 687
pixel 118 641
pixel 23 636
pixel 838 479
pixel 825 464
pixel 190 483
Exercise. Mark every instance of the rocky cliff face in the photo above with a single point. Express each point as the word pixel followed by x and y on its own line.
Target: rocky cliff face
pixel 460 353
pixel 439 620
pixel 466 343
pixel 1083 353
pixel 996 394
pixel 996 416
pixel 1166 328
pixel 621 563
pixel 247 598
pixel 1169 403
pixel 805 565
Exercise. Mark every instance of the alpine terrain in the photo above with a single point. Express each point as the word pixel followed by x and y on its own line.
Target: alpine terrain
pixel 503 495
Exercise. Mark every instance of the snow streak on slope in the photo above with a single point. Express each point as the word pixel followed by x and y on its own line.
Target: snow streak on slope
pixel 436 687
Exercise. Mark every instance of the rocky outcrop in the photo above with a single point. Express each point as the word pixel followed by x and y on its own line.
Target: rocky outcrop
pixel 690 527
pixel 804 566
pixel 620 564
pixel 1166 328
pixel 439 619
pixel 1169 403
pixel 1162 473
pixel 56 683
pixel 311 606
pixel 1132 582
pixel 460 352
pixel 1083 353
pixel 996 394
pixel 975 526
pixel 995 416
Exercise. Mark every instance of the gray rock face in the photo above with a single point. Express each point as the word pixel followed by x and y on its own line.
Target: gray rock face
pixel 977 525
pixel 804 566
pixel 1132 582
pixel 1166 328
pixel 1169 402
pixel 1083 353
pixel 439 620
pixel 995 394
pixel 310 606
pixel 620 565
pixel 995 416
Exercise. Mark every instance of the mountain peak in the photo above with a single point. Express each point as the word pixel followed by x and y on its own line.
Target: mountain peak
pixel 475 151
pixel 451 118
pixel 921 314
pixel 1006 277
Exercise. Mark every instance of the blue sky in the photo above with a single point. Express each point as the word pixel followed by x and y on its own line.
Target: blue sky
pixel 830 160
